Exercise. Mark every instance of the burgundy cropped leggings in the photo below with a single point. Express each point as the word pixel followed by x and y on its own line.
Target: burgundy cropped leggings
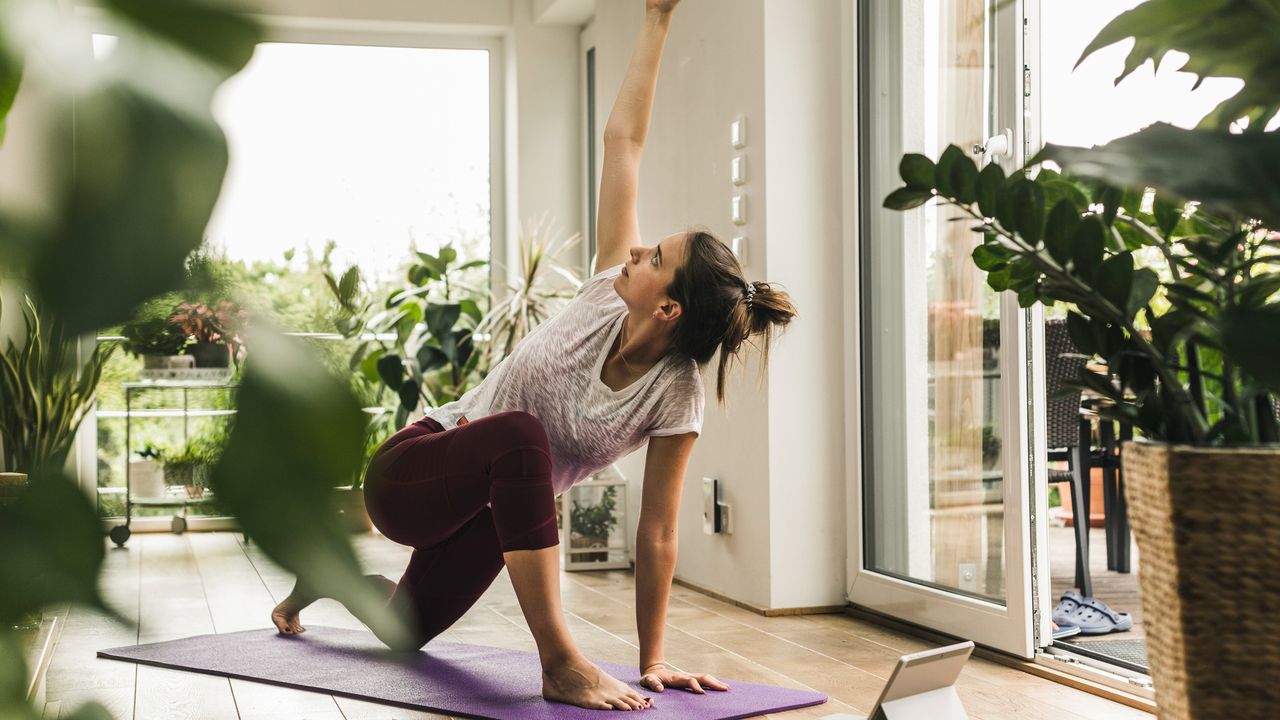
pixel 460 498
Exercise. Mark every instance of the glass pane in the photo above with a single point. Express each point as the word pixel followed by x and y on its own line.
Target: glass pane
pixel 378 149
pixel 931 328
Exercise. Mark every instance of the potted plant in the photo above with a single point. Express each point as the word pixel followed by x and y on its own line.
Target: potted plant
pixel 146 474
pixel 590 525
pixel 214 331
pixel 46 391
pixel 190 466
pixel 431 356
pixel 1190 338
pixel 531 300
pixel 158 342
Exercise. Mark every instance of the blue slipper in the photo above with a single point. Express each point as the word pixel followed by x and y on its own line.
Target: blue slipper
pixel 1064 631
pixel 1095 618
pixel 1068 605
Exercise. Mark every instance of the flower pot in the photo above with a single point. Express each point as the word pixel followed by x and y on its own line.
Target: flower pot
pixel 351 509
pixel 589 541
pixel 210 354
pixel 168 362
pixel 146 479
pixel 1204 520
pixel 1097 500
pixel 11 486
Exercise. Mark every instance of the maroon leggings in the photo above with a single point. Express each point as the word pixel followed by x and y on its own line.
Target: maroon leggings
pixel 427 488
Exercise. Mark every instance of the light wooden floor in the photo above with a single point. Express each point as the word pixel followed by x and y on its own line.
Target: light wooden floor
pixel 177 586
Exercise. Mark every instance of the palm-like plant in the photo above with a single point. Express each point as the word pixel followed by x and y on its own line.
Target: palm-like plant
pixel 45 392
pixel 530 301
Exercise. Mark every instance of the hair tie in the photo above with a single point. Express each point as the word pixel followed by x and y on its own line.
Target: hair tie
pixel 751 291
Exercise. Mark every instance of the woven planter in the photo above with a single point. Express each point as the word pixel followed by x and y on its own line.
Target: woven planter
pixel 1205 522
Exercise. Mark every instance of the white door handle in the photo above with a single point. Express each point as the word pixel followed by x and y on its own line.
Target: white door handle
pixel 995 145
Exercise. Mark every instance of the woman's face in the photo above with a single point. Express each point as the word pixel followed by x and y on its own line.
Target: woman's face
pixel 649 272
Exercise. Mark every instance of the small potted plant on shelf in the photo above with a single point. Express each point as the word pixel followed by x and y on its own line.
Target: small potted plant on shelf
pixel 190 466
pixel 146 474
pixel 590 525
pixel 158 342
pixel 214 331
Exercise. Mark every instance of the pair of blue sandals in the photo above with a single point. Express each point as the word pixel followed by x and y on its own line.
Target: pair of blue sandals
pixel 1080 615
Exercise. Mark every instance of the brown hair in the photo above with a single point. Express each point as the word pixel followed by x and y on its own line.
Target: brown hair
pixel 712 293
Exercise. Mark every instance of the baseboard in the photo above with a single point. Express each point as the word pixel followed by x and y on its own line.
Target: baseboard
pixel 766 612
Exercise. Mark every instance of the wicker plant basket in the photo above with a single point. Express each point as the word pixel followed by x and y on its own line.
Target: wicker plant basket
pixel 1206 523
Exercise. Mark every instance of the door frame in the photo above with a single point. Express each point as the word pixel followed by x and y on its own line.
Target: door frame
pixel 1018 626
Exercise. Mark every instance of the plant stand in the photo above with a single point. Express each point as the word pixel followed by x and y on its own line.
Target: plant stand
pixel 601 547
pixel 120 533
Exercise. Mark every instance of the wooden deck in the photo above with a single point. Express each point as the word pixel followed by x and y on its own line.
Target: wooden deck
pixel 1118 590
pixel 177 586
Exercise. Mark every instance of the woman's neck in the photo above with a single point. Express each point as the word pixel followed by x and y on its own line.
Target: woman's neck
pixel 641 343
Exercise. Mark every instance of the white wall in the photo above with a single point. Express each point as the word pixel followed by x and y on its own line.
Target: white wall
pixel 778 451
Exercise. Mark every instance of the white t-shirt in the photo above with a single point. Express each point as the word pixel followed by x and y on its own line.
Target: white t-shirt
pixel 553 373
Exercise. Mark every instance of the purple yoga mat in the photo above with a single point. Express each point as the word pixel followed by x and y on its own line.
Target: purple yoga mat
pixel 461 679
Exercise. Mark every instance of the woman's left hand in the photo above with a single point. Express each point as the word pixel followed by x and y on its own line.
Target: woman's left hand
pixel 660 675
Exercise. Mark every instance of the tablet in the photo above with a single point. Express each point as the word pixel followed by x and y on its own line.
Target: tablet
pixel 921 686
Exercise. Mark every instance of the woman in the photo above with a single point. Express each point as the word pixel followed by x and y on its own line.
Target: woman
pixel 472 485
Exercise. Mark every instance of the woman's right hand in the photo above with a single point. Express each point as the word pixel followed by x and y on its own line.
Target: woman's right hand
pixel 664 6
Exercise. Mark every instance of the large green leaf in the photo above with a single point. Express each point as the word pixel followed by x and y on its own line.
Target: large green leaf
pixel 298 434
pixel 1230 172
pixel 905 198
pixel 1028 211
pixel 144 183
pixel 1114 279
pixel 1087 247
pixel 52 549
pixel 917 171
pixel 1059 230
pixel 10 79
pixel 990 181
pixel 226 39
pixel 1251 337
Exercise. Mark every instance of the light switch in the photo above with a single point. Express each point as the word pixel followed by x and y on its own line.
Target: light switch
pixel 738 132
pixel 739 247
pixel 739 169
pixel 739 209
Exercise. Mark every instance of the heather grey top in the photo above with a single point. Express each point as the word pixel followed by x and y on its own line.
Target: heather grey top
pixel 553 373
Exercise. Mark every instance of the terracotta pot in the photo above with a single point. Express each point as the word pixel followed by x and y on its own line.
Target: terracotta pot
pixel 1204 520
pixel 586 541
pixel 352 510
pixel 1097 505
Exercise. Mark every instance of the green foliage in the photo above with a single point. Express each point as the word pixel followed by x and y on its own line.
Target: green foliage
pixel 154 336
pixel 418 343
pixel 45 391
pixel 53 550
pixel 1225 38
pixel 595 521
pixel 530 301
pixel 1220 293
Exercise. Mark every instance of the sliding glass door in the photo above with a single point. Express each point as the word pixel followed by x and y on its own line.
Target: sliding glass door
pixel 946 432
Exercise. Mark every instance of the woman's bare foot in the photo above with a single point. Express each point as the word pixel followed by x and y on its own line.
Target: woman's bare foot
pixel 285 616
pixel 581 682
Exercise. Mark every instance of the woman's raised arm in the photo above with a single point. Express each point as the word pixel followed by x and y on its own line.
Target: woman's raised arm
pixel 617 228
